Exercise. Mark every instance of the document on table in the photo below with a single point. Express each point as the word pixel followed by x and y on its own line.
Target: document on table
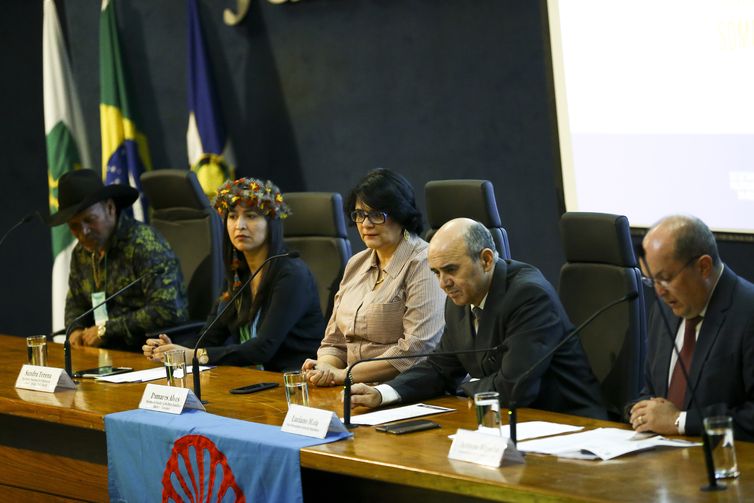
pixel 398 413
pixel 530 429
pixel 144 375
pixel 601 443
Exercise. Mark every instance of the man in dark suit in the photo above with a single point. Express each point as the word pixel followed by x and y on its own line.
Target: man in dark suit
pixel 492 301
pixel 712 322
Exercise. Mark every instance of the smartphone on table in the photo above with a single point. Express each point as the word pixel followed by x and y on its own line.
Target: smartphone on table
pixel 407 426
pixel 101 371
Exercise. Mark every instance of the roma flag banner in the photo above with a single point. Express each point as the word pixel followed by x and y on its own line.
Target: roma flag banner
pixel 67 147
pixel 125 153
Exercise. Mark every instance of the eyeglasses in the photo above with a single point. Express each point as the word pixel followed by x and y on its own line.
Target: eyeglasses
pixel 374 216
pixel 665 283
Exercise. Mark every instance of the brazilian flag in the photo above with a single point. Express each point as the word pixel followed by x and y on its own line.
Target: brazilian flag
pixel 125 153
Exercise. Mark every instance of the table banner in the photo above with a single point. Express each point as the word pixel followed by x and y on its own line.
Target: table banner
pixel 197 456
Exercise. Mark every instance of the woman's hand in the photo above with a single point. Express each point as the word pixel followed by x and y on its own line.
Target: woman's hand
pixel 319 373
pixel 154 348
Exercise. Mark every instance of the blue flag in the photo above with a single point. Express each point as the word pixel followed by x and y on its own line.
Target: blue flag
pixel 209 152
pixel 196 456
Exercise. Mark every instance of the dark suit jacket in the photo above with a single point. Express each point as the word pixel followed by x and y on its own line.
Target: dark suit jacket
pixel 290 324
pixel 523 312
pixel 722 368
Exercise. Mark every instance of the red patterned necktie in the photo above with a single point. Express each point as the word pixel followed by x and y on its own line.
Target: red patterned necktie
pixel 677 388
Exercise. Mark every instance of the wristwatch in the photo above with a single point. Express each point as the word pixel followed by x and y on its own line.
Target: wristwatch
pixel 202 356
pixel 101 330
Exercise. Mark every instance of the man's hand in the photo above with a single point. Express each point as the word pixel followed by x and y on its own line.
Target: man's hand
pixel 89 337
pixel 656 414
pixel 76 337
pixel 366 396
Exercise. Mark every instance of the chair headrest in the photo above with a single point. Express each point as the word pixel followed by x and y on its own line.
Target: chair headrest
pixel 174 188
pixel 315 214
pixel 597 237
pixel 449 199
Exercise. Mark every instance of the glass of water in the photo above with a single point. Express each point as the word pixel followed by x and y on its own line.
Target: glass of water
pixel 175 367
pixel 296 390
pixel 720 432
pixel 36 350
pixel 487 406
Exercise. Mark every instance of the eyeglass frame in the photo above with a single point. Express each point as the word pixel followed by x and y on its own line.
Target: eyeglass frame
pixel 665 283
pixel 371 215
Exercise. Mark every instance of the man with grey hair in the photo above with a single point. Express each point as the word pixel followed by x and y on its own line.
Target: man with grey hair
pixel 494 302
pixel 711 315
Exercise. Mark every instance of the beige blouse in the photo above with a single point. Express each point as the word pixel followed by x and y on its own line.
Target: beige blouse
pixel 401 315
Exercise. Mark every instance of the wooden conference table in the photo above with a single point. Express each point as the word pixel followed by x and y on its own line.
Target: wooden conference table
pixel 54 445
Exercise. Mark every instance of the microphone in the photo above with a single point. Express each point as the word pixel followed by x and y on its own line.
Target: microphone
pixel 67 343
pixel 195 360
pixel 26 219
pixel 709 462
pixel 348 381
pixel 512 416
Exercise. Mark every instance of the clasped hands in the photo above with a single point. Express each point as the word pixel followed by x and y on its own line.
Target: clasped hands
pixel 155 349
pixel 655 414
pixel 85 337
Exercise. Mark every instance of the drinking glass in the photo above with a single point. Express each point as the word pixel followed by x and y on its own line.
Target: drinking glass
pixel 36 350
pixel 175 367
pixel 487 405
pixel 296 390
pixel 720 432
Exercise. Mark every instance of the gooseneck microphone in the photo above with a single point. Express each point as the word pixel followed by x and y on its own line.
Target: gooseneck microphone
pixel 512 415
pixel 26 219
pixel 195 360
pixel 348 381
pixel 72 325
pixel 709 462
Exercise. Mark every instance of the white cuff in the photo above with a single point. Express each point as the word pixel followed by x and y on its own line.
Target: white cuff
pixel 680 423
pixel 389 395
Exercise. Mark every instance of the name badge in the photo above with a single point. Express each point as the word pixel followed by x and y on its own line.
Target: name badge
pixel 100 314
pixel 311 422
pixel 45 379
pixel 169 399
pixel 483 449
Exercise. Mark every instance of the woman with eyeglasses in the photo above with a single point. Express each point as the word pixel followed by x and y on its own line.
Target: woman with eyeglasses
pixel 389 302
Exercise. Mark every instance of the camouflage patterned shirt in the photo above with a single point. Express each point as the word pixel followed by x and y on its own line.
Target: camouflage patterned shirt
pixel 158 301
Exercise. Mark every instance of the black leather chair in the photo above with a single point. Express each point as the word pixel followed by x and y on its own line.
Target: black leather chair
pixel 184 216
pixel 601 267
pixel 449 199
pixel 316 228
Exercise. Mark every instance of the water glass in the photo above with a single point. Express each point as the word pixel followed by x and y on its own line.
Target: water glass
pixel 720 432
pixel 487 406
pixel 175 367
pixel 296 390
pixel 36 350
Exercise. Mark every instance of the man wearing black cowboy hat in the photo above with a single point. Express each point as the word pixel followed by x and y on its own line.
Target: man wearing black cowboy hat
pixel 113 250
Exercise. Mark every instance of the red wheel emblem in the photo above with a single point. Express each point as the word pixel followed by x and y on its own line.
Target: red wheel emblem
pixel 189 459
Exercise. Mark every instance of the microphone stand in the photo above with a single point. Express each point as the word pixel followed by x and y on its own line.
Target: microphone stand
pixel 512 406
pixel 709 462
pixel 348 381
pixel 67 343
pixel 27 218
pixel 195 359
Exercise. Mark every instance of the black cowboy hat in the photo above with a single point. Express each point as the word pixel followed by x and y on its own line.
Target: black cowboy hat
pixel 81 188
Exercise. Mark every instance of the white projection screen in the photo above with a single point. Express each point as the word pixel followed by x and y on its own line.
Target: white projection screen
pixel 655 106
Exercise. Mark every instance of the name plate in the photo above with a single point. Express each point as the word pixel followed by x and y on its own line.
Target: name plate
pixel 483 449
pixel 47 379
pixel 311 422
pixel 169 399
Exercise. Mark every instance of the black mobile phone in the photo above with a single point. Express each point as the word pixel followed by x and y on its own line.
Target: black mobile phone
pixel 101 371
pixel 253 388
pixel 408 426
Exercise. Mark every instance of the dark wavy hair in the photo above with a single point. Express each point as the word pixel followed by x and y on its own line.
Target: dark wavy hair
pixel 247 307
pixel 385 190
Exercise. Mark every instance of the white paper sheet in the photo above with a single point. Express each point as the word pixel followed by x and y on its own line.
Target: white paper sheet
pixel 601 443
pixel 398 413
pixel 143 375
pixel 534 429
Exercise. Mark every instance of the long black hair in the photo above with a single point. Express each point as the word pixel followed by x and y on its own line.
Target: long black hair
pixel 246 307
